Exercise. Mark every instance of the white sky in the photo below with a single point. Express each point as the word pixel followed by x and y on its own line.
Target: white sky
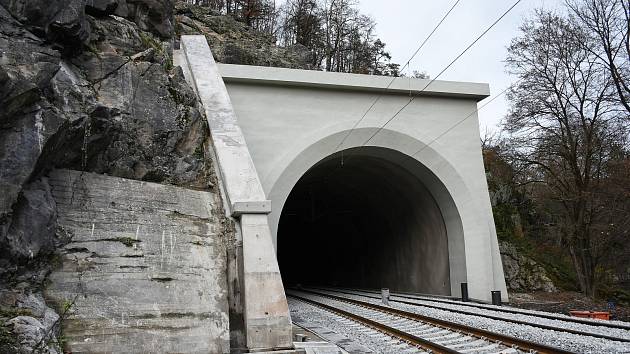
pixel 404 24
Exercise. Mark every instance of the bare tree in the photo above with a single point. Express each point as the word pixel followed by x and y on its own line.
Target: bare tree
pixel 563 125
pixel 608 23
pixel 338 36
pixel 301 23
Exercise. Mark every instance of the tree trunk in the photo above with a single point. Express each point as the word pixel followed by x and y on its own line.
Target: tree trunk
pixel 582 259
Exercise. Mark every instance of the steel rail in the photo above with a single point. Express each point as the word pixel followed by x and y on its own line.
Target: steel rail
pixel 393 332
pixel 499 318
pixel 453 301
pixel 476 332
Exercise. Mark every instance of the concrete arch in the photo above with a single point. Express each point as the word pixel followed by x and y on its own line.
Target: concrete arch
pixel 291 119
pixel 270 126
pixel 432 170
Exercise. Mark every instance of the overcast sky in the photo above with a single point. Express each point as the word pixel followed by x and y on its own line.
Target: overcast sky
pixel 403 25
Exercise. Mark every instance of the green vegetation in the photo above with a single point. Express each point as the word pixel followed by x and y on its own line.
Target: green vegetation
pixel 8 341
pixel 127 241
pixel 149 42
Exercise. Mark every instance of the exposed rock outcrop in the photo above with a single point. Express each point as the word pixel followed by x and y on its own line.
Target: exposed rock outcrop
pixel 145 270
pixel 523 273
pixel 29 322
pixel 116 107
pixel 87 85
pixel 232 42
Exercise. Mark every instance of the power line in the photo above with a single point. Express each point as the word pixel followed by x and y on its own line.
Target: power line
pixel 447 130
pixel 394 78
pixel 429 36
pixel 464 119
pixel 441 72
pixel 412 98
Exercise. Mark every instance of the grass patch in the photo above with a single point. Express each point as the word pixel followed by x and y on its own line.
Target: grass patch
pixel 8 341
pixel 149 42
pixel 127 241
pixel 9 312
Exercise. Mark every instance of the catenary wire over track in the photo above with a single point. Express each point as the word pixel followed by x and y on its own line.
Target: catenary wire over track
pixel 463 119
pixel 395 77
pixel 471 114
pixel 413 97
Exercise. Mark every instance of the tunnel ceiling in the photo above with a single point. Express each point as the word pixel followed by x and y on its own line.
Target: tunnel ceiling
pixel 368 222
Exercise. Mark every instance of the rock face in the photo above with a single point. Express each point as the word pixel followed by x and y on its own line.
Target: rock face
pixel 32 324
pixel 117 107
pixel 145 269
pixel 523 273
pixel 232 42
pixel 87 85
pixel 32 230
pixel 104 99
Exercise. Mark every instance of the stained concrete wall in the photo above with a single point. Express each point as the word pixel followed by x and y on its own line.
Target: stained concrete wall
pixel 145 268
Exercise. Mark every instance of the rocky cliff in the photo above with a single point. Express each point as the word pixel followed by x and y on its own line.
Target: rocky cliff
pixel 233 42
pixel 85 85
pixel 523 273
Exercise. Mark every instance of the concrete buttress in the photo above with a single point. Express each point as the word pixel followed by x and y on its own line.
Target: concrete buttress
pixel 266 320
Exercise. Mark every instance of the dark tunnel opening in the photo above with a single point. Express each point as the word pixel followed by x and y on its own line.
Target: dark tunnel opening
pixel 367 223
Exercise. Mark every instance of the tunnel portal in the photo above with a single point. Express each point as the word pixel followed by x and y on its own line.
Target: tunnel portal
pixel 360 218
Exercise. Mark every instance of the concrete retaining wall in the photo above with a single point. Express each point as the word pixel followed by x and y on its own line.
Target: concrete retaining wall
pixel 145 270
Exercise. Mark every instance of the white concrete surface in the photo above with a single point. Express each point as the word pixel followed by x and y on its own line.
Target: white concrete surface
pixel 266 315
pixel 290 125
pixel 293 119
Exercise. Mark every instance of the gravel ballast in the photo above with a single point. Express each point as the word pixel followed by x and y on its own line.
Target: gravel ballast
pixel 572 342
pixel 489 310
pixel 373 341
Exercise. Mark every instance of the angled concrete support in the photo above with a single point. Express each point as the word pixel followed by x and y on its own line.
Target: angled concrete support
pixel 266 320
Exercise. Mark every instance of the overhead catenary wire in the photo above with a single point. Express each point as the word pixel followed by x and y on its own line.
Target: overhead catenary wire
pixel 464 119
pixel 441 72
pixel 412 97
pixel 471 114
pixel 407 64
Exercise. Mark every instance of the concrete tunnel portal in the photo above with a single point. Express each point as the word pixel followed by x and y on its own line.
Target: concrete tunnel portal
pixel 366 217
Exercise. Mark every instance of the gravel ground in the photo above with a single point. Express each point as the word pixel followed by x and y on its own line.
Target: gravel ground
pixel 526 305
pixel 461 342
pixel 564 301
pixel 530 311
pixel 376 341
pixel 572 342
pixel 495 311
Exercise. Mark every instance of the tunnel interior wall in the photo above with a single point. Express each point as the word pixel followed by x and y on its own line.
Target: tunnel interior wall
pixel 364 222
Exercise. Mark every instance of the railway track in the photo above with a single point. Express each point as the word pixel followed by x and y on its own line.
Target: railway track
pixel 451 301
pixel 426 333
pixel 438 305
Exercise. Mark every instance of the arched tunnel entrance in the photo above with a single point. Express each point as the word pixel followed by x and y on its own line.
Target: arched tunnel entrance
pixel 368 222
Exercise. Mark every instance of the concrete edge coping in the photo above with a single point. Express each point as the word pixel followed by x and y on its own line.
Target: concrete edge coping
pixel 263 75
pixel 235 166
pixel 251 207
